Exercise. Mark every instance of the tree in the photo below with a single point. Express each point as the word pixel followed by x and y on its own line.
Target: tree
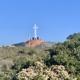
pixel 68 55
pixel 73 36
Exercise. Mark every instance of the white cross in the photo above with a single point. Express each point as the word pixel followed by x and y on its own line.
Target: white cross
pixel 35 31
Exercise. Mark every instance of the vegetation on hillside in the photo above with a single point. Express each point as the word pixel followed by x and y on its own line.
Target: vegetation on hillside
pixel 67 54
pixel 14 60
pixel 41 72
pixel 73 36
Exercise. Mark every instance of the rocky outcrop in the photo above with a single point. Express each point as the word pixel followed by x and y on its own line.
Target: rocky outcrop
pixel 42 72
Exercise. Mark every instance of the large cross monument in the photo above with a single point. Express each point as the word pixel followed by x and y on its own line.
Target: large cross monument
pixel 35 40
pixel 35 31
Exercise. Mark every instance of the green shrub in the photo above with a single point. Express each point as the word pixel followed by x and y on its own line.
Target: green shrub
pixel 39 78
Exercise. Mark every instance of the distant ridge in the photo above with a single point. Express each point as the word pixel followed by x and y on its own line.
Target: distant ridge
pixel 47 44
pixel 19 44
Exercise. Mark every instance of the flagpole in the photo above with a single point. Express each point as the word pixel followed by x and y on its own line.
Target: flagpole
pixel 29 40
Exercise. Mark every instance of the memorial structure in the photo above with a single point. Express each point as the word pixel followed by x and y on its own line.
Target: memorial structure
pixel 35 40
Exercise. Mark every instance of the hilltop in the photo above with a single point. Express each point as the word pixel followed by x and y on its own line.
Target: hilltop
pixel 35 43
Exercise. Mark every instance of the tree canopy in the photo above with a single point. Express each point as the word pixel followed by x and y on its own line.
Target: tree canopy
pixel 73 36
pixel 67 54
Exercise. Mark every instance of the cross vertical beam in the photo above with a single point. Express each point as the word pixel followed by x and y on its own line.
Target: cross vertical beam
pixel 35 31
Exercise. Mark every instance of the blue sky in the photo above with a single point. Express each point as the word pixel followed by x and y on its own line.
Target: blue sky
pixel 56 19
